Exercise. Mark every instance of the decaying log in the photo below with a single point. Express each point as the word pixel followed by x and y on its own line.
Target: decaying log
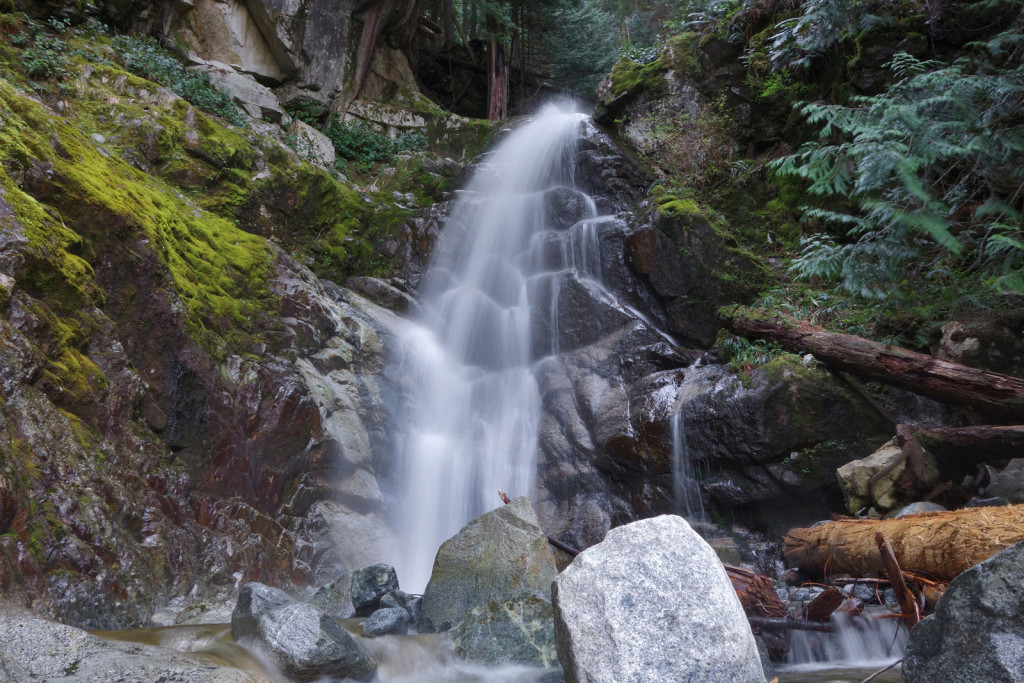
pixel 967 446
pixel 908 607
pixel 981 390
pixel 756 593
pixel 822 606
pixel 789 624
pixel 937 544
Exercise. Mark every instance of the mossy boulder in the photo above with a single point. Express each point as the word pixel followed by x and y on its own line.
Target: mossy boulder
pixel 694 265
pixel 500 551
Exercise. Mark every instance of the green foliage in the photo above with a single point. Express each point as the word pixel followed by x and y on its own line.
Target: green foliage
pixel 43 55
pixel 820 26
pixel 365 147
pixel 744 354
pixel 143 56
pixel 935 167
pixel 584 40
pixel 309 112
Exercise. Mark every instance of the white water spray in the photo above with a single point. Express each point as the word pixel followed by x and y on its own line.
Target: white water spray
pixel 475 403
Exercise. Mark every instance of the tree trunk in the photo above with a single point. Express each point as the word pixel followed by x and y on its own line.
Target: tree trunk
pixel 980 390
pixel 936 544
pixel 447 24
pixel 497 91
pixel 967 446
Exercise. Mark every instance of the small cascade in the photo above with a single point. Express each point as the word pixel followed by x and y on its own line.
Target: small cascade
pixel 687 500
pixel 861 642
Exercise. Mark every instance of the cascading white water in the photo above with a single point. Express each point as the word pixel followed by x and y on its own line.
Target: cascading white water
pixel 475 403
pixel 685 480
pixel 856 642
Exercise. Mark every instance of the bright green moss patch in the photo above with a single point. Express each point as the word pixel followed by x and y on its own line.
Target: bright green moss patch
pixel 219 271
pixel 679 207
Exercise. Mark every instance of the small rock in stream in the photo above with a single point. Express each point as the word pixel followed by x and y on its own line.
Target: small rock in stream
pixel 307 644
pixel 335 598
pixel 255 600
pixel 387 621
pixel 369 585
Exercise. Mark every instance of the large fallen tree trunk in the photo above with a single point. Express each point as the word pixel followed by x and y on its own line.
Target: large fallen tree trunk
pixel 988 392
pixel 967 446
pixel 937 544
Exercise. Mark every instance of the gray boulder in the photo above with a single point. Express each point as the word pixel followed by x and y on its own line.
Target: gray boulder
pixel 976 632
pixel 652 603
pixel 388 621
pixel 255 600
pixel 916 509
pixel 37 649
pixel 335 598
pixel 500 551
pixel 1009 483
pixel 518 629
pixel 307 644
pixel 369 585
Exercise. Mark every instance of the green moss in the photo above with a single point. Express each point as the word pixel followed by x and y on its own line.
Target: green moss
pixel 681 53
pixel 679 207
pixel 219 271
pixel 628 75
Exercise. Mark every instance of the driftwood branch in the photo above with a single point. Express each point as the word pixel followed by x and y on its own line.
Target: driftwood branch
pixel 980 390
pixel 908 606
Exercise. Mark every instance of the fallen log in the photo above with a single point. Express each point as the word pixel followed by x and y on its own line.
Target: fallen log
pixel 937 544
pixel 963 447
pixel 822 606
pixel 756 593
pixel 911 615
pixel 981 390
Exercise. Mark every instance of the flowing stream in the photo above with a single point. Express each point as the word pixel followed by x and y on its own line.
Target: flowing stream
pixel 475 402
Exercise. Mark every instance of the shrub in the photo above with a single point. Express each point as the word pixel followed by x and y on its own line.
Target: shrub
pixel 143 56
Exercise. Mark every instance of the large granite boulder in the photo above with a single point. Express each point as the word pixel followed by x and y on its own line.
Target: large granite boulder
pixel 651 603
pixel 517 629
pixel 976 632
pixel 500 551
pixel 307 644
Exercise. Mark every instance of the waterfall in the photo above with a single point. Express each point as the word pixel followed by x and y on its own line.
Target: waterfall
pixel 856 642
pixel 475 402
pixel 685 481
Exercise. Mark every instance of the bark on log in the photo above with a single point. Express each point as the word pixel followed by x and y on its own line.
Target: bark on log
pixel 981 390
pixel 968 446
pixel 822 607
pixel 938 544
pixel 756 593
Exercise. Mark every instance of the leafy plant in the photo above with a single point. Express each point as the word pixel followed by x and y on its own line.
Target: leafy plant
pixel 143 56
pixel 43 55
pixel 934 168
pixel 365 147
pixel 744 354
